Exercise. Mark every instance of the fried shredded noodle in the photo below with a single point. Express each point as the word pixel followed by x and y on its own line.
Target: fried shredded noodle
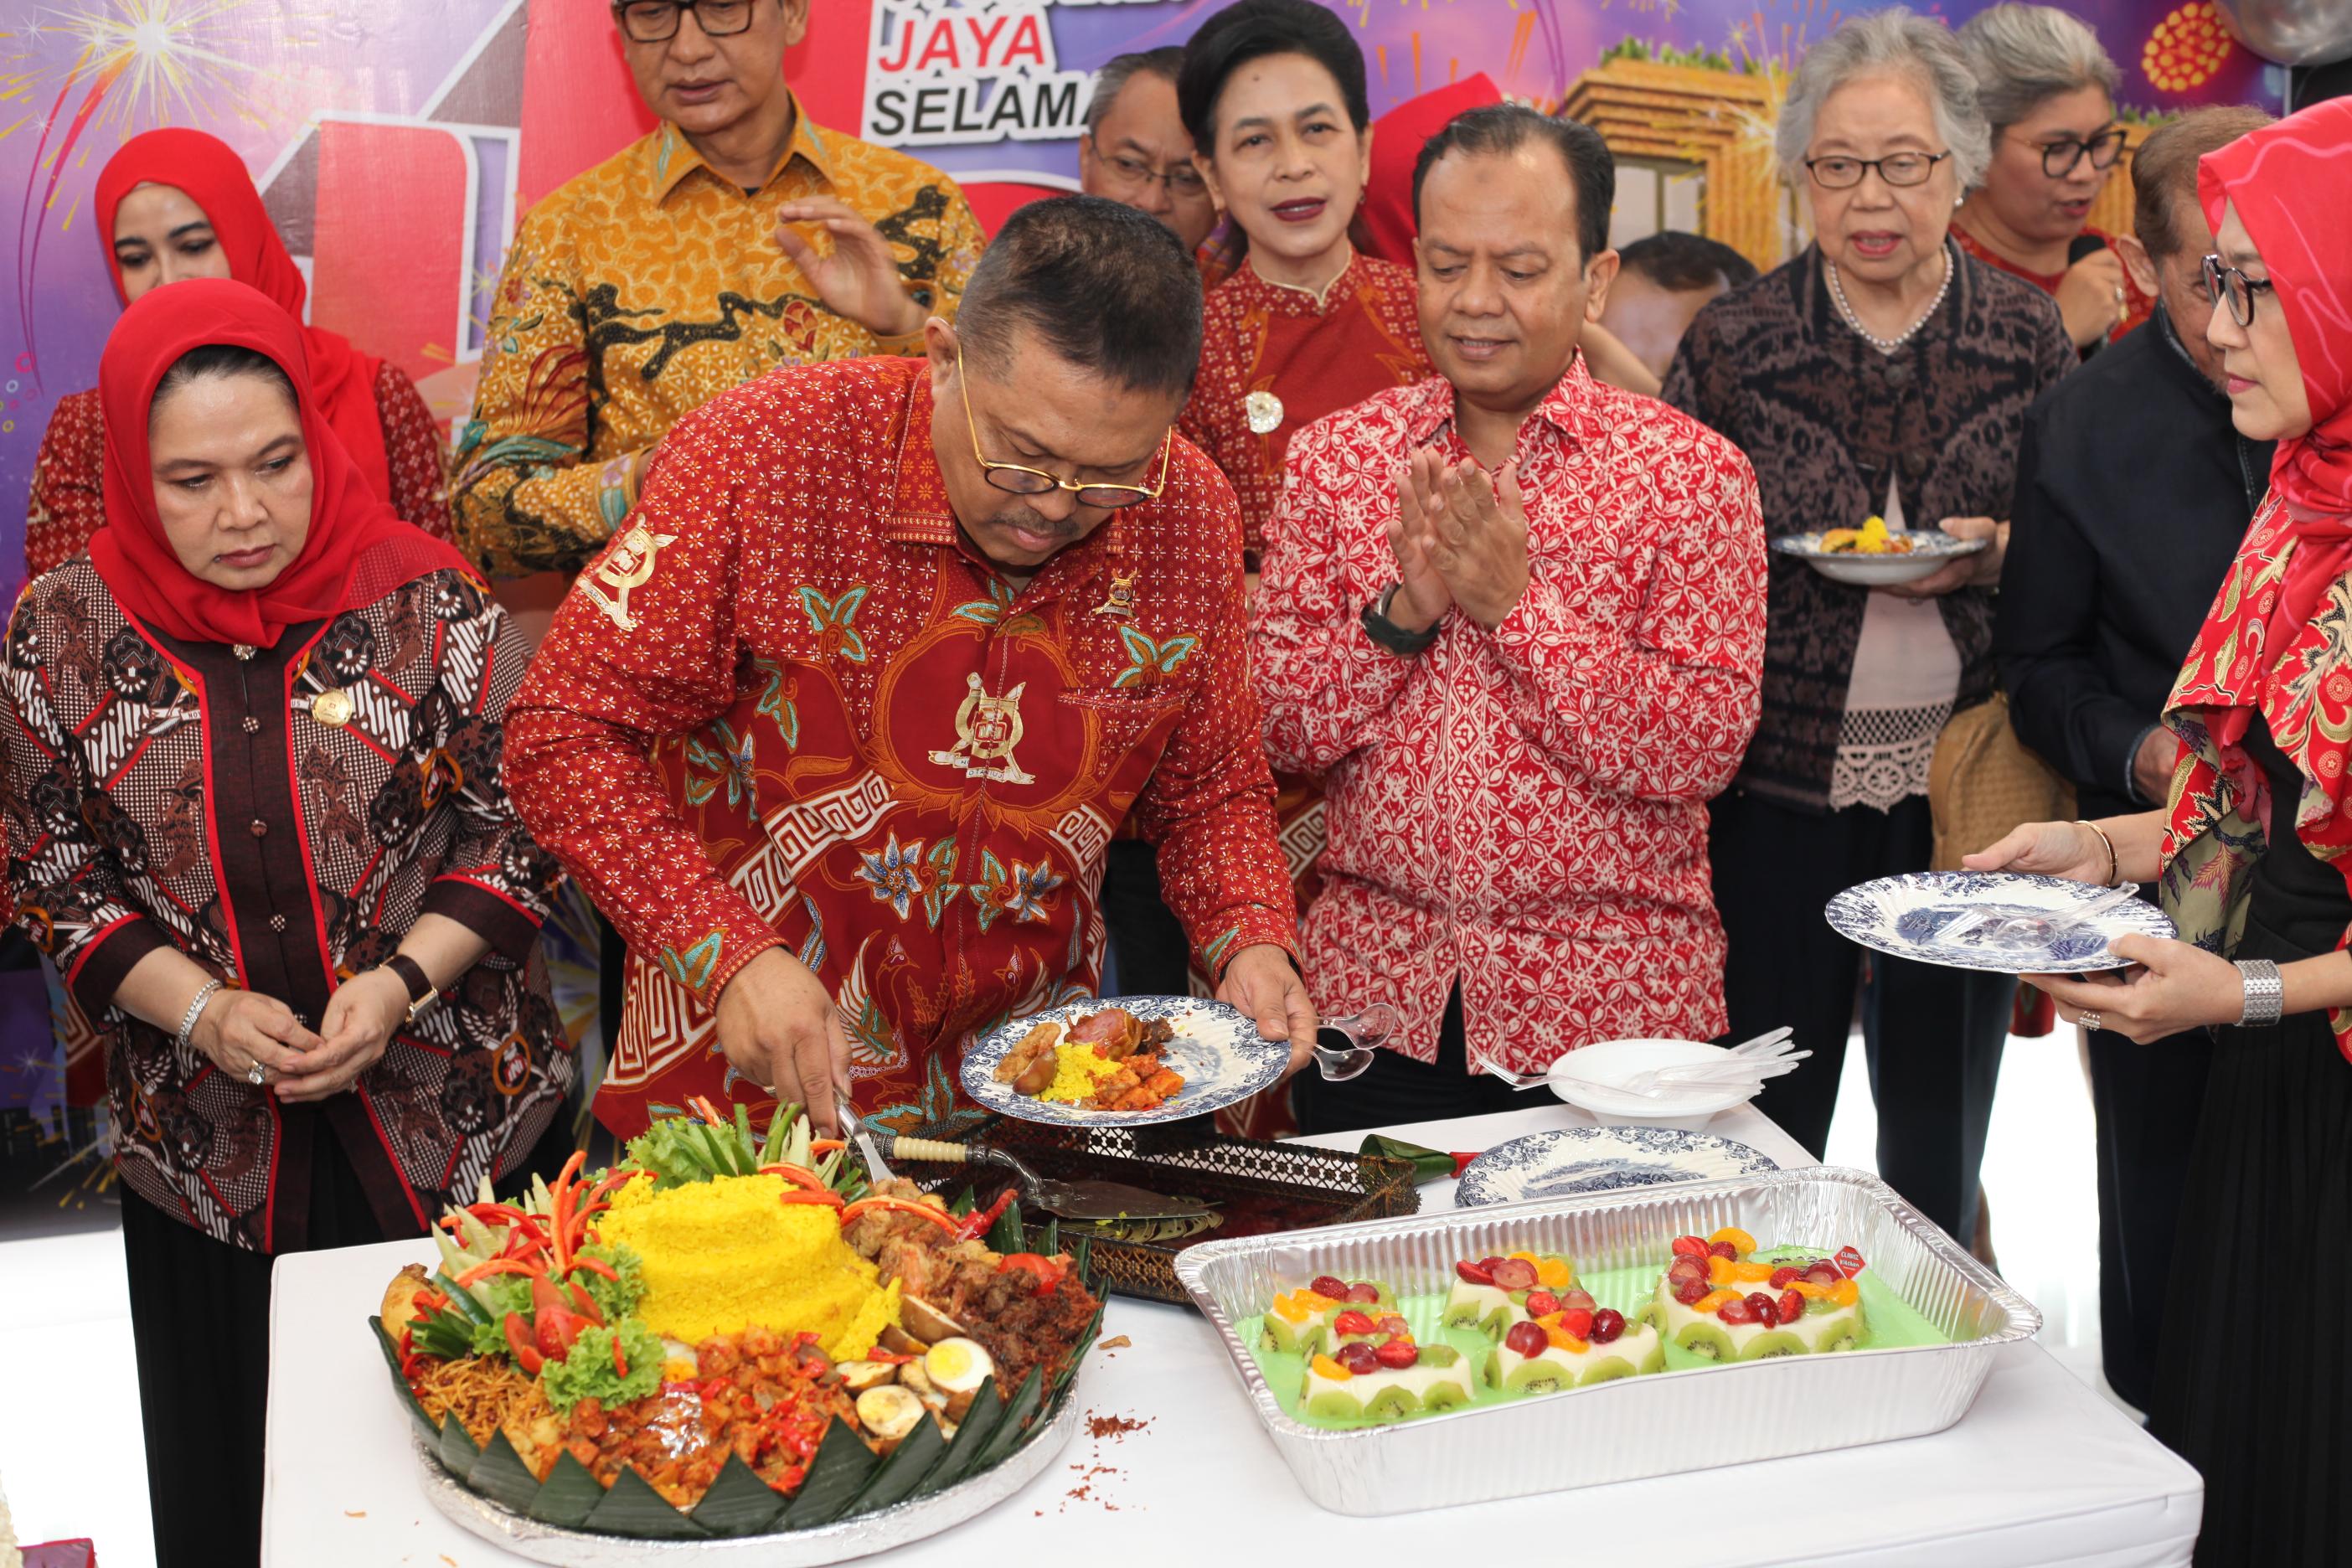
pixel 481 1391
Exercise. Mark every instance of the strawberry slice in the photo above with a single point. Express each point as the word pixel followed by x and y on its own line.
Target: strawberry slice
pixel 1474 1273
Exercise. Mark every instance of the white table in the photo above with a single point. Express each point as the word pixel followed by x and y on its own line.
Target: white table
pixel 2041 1471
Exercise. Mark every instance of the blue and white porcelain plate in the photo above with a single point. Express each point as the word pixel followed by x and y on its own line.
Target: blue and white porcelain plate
pixel 1219 1051
pixel 1576 1161
pixel 2014 923
pixel 1930 549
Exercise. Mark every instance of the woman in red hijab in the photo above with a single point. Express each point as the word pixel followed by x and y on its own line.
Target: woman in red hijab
pixel 255 818
pixel 2252 851
pixel 178 204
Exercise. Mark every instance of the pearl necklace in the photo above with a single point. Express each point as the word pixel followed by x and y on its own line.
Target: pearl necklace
pixel 1887 345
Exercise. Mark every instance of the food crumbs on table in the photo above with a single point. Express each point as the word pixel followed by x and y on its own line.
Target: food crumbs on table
pixel 1116 1342
pixel 354 1514
pixel 1118 1426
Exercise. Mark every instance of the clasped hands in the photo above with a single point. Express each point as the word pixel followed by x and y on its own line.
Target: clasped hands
pixel 239 1029
pixel 1460 537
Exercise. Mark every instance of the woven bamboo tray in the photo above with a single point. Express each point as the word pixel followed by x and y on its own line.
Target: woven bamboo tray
pixel 1258 1188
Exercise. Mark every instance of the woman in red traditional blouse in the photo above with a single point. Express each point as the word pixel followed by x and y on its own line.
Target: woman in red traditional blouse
pixel 2250 859
pixel 1273 93
pixel 178 204
pixel 2047 89
pixel 254 816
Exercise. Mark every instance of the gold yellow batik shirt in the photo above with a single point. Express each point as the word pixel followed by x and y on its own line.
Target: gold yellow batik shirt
pixel 643 288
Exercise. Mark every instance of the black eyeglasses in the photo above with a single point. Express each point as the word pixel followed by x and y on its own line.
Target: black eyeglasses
pixel 2060 158
pixel 1182 180
pixel 655 21
pixel 2227 283
pixel 1842 173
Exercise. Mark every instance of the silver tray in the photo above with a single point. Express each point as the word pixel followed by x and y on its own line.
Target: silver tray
pixel 877 1532
pixel 1660 1424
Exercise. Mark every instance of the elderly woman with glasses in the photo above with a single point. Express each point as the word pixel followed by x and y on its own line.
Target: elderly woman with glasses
pixel 2250 859
pixel 2047 90
pixel 1880 372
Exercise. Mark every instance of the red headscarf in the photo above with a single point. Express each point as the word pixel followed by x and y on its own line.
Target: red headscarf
pixel 1397 138
pixel 215 179
pixel 357 550
pixel 2292 184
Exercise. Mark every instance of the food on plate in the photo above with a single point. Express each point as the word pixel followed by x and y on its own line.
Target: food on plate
pixel 1386 1381
pixel 1491 1294
pixel 1721 1300
pixel 1301 1321
pixel 719 1296
pixel 1108 1060
pixel 1500 1336
pixel 1571 1348
pixel 1873 537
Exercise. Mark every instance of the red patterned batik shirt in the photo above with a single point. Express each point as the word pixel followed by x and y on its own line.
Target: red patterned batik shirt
pixel 1523 809
pixel 789 705
pixel 1275 358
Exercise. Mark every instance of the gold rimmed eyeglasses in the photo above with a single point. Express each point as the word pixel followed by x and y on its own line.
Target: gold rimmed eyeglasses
pixel 1016 478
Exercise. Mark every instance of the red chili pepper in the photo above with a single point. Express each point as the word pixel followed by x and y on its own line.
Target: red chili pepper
pixel 526 1354
pixel 888 1358
pixel 827 1198
pixel 563 1192
pixel 1047 1272
pixel 585 1302
pixel 597 1266
pixel 825 1146
pixel 620 1362
pixel 976 1224
pixel 499 1266
pixel 940 1218
pixel 799 1176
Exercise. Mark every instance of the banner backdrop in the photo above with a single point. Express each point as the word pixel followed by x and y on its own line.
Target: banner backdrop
pixel 397 141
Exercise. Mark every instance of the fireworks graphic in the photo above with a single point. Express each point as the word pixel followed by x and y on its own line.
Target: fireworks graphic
pixel 2186 49
pixel 139 64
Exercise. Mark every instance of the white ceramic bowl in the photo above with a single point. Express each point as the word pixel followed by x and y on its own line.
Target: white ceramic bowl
pixel 1615 1061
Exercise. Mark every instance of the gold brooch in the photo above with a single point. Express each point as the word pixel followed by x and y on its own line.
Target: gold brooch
pixel 1120 600
pixel 1265 411
pixel 332 707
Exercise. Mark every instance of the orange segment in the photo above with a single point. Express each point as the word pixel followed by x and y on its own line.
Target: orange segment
pixel 1844 1293
pixel 1807 1289
pixel 1719 1271
pixel 1289 1308
pixel 1752 1273
pixel 1326 1367
pixel 1741 1242
pixel 1713 1300
pixel 1553 1274
pixel 1561 1340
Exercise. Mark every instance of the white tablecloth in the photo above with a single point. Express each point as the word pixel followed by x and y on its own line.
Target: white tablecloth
pixel 2041 1471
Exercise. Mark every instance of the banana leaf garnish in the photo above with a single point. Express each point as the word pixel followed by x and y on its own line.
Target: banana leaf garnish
pixel 839 1472
pixel 568 1496
pixel 963 1450
pixel 1025 1404
pixel 633 1508
pixel 897 1477
pixel 500 1474
pixel 739 1502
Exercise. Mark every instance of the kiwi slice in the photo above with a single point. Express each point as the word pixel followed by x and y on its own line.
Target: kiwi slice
pixel 1538 1377
pixel 1439 1355
pixel 1462 1312
pixel 1772 1342
pixel 1706 1339
pixel 1285 1338
pixel 1491 1374
pixel 1648 1314
pixel 1608 1371
pixel 1332 1406
pixel 1845 1336
pixel 1444 1396
pixel 1391 1404
pixel 1656 1360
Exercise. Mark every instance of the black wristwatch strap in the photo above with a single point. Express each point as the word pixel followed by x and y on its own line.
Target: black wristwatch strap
pixel 421 993
pixel 1388 634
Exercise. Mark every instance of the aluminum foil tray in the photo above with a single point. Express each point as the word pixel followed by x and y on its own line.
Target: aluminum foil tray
pixel 1658 1425
pixel 876 1531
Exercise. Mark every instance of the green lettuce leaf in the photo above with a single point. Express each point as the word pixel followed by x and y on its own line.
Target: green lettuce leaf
pixel 615 1300
pixel 588 1370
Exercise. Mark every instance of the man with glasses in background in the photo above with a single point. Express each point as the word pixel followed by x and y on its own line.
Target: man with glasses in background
pixel 735 238
pixel 838 730
pixel 1137 151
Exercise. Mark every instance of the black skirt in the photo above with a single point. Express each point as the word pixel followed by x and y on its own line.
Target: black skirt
pixel 200 1325
pixel 2256 1360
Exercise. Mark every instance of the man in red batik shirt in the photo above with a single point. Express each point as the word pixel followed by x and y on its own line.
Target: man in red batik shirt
pixel 1516 617
pixel 837 730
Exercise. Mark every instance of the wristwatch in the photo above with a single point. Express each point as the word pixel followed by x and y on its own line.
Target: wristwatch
pixel 421 994
pixel 1386 633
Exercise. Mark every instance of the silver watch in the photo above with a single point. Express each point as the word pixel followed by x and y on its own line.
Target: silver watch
pixel 2265 993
